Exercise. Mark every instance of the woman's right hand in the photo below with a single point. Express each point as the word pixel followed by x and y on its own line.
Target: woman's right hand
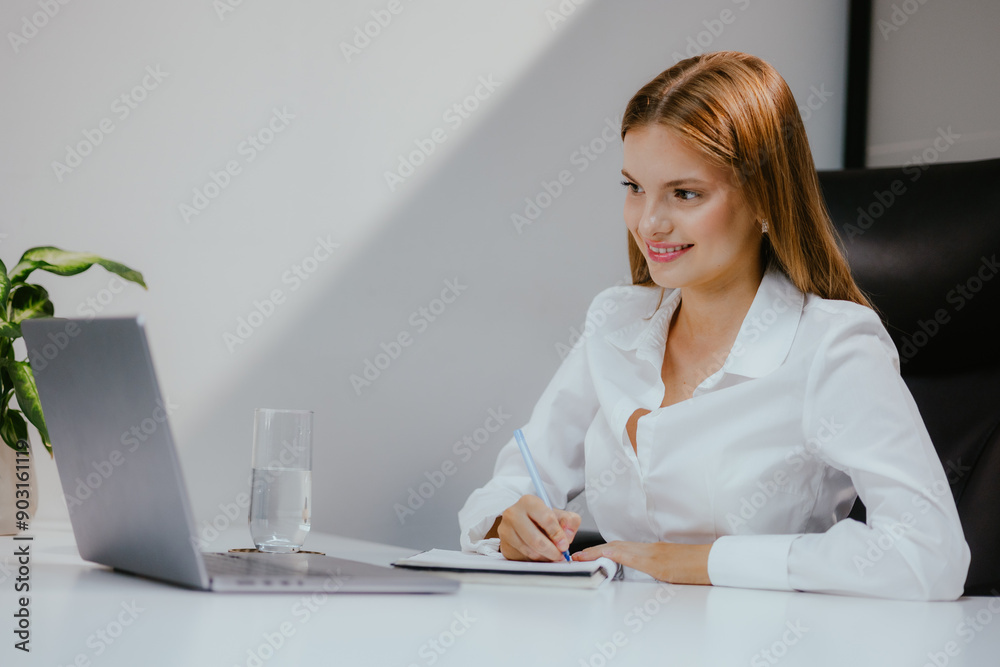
pixel 528 530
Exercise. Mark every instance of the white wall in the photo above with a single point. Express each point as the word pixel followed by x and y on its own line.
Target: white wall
pixel 493 348
pixel 934 67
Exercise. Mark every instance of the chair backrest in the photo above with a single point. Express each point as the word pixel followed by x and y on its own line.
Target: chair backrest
pixel 923 242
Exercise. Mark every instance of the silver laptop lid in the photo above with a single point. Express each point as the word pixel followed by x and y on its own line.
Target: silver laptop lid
pixel 113 449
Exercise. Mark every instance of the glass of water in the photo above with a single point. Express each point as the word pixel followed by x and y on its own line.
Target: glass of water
pixel 281 490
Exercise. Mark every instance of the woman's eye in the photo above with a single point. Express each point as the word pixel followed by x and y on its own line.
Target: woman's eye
pixel 632 186
pixel 685 194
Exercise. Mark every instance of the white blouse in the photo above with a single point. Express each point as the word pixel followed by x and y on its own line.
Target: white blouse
pixel 764 461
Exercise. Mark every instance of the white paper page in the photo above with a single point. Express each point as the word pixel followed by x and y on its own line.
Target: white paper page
pixel 470 561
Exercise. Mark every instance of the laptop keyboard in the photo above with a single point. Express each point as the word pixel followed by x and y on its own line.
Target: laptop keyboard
pixel 257 572
pixel 231 564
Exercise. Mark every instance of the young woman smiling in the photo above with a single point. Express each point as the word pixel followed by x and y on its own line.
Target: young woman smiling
pixel 742 392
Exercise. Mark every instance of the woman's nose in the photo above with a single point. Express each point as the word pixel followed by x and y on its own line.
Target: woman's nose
pixel 653 222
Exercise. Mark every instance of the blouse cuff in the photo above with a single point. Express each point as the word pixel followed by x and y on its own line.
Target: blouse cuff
pixel 475 537
pixel 487 508
pixel 751 561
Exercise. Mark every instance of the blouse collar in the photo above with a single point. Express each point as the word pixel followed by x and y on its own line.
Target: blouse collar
pixel 764 339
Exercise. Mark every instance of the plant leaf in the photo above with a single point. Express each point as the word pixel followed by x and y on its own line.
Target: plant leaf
pixel 27 396
pixel 29 301
pixel 13 428
pixel 4 290
pixel 6 352
pixel 8 330
pixel 66 263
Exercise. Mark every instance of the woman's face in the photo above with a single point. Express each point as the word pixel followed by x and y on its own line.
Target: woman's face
pixel 685 214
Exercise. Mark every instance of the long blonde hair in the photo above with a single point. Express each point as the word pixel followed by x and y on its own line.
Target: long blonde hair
pixel 739 113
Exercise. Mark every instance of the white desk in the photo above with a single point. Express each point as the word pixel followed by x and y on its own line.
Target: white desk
pixel 654 624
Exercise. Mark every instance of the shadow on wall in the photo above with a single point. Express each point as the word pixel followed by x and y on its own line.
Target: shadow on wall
pixel 450 319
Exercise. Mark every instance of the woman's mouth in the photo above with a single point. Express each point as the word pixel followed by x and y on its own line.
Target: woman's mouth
pixel 662 252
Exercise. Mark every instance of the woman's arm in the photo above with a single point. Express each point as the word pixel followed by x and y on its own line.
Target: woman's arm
pixel 666 561
pixel 912 546
pixel 556 430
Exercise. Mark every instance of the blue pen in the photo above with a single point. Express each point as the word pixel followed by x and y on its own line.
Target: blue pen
pixel 533 471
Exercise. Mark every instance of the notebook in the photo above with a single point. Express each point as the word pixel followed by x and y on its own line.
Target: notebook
pixel 495 569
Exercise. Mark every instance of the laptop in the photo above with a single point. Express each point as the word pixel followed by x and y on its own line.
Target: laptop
pixel 119 468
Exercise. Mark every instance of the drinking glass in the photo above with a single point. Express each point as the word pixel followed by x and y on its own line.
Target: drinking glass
pixel 281 489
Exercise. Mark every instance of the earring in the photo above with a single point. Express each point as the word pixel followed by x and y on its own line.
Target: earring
pixel 763 226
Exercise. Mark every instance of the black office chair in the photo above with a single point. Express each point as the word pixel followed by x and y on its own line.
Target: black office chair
pixel 922 242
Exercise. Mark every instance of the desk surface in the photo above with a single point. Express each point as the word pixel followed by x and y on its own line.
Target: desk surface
pixel 82 614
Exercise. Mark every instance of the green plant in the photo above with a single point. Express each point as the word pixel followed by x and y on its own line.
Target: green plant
pixel 21 301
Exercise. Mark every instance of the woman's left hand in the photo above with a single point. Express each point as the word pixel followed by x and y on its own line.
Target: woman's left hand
pixel 666 561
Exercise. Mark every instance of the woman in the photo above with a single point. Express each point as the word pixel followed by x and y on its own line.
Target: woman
pixel 742 392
